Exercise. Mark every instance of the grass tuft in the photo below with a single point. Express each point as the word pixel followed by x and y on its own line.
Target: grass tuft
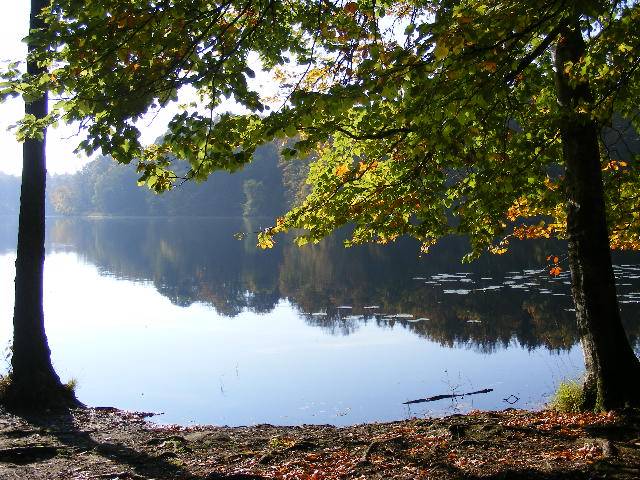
pixel 5 380
pixel 71 385
pixel 569 398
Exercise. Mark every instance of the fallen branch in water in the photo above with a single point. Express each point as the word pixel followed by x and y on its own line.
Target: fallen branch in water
pixel 441 397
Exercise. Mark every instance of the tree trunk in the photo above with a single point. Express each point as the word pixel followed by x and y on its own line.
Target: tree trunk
pixel 33 383
pixel 612 377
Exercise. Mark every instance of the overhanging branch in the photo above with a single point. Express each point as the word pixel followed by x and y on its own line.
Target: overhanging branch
pixel 536 52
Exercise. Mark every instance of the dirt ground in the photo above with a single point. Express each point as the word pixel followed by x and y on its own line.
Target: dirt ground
pixel 105 443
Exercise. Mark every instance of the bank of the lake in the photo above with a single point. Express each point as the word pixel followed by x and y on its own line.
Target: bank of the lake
pixel 513 444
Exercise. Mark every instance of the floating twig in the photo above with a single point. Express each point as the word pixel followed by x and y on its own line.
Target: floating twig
pixel 442 397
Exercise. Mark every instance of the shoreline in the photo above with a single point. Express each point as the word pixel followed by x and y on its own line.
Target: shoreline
pixel 108 443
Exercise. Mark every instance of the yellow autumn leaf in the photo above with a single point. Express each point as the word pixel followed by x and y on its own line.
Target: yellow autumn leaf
pixel 341 170
pixel 265 241
pixel 550 185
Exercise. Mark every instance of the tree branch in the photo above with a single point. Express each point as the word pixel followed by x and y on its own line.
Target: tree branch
pixel 536 52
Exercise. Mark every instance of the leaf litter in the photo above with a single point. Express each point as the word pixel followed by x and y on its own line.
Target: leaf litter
pixel 109 443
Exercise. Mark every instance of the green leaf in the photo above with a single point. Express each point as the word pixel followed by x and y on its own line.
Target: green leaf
pixel 441 51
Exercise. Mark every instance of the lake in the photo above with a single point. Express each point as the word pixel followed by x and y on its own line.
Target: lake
pixel 177 316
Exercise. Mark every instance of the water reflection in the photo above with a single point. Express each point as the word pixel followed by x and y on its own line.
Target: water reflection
pixel 486 305
pixel 177 316
pixel 8 233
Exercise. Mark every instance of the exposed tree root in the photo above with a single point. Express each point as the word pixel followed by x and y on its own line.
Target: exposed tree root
pixel 36 396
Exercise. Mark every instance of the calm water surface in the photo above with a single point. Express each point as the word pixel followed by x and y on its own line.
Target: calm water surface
pixel 177 316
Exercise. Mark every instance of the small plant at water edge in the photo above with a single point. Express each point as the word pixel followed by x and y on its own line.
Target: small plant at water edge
pixel 569 397
pixel 71 385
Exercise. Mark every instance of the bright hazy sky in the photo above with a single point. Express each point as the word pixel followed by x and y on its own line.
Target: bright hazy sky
pixel 14 25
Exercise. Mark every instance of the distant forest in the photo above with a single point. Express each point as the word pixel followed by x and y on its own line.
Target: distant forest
pixel 268 186
pixel 265 187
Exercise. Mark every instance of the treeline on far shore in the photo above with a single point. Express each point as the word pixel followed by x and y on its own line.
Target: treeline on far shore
pixel 265 187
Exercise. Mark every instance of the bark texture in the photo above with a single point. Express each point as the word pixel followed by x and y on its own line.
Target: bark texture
pixel 612 377
pixel 32 383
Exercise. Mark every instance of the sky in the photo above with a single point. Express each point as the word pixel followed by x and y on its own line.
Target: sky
pixel 14 25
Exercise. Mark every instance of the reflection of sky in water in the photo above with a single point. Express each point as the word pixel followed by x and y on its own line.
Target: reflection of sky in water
pixel 130 347
pixel 537 282
pixel 175 316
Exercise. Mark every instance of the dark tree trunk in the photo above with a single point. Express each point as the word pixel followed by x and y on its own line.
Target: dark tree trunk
pixel 612 377
pixel 33 383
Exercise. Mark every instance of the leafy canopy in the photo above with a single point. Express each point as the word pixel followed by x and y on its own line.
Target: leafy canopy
pixel 424 118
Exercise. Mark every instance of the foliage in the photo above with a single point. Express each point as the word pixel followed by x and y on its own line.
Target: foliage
pixel 255 196
pixel 451 127
pixel 569 397
pixel 457 129
pixel 463 124
pixel 111 61
pixel 103 187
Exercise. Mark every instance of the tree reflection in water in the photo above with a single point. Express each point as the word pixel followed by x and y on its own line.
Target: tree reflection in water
pixel 485 305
